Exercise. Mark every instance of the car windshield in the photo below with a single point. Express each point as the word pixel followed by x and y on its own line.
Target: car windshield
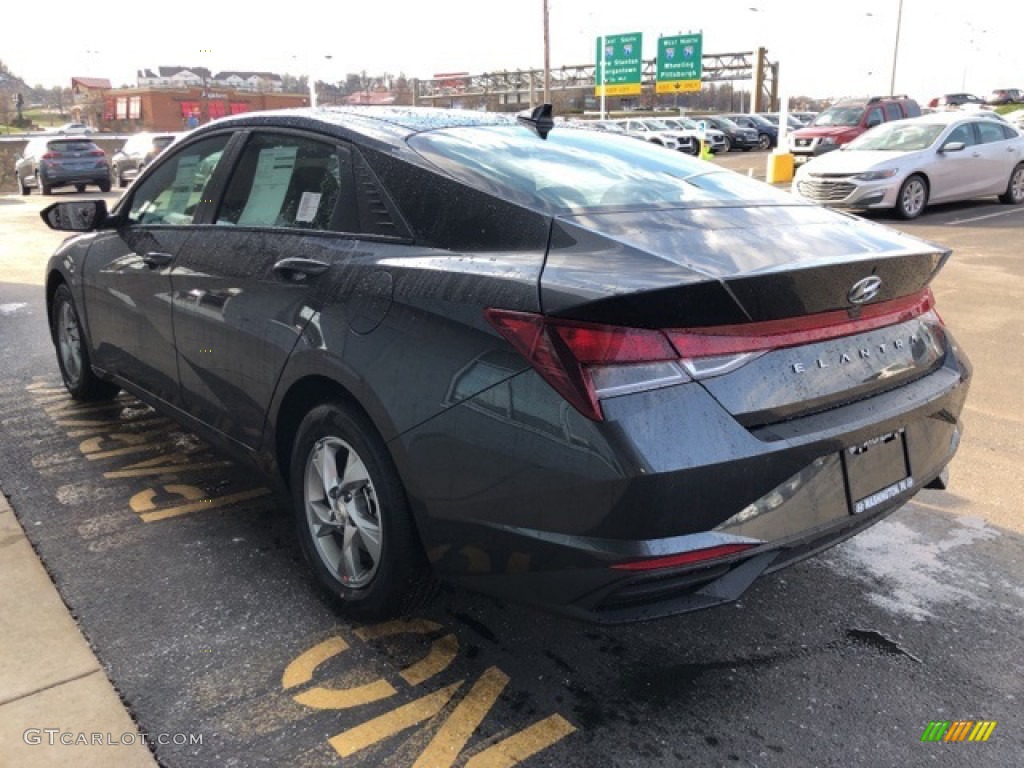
pixel 840 116
pixel 70 146
pixel 725 122
pixel 897 137
pixel 574 169
pixel 656 125
pixel 687 123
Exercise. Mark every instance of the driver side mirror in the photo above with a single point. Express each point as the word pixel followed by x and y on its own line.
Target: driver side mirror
pixel 76 216
pixel 953 146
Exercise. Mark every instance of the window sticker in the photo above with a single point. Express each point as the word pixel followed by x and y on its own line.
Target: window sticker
pixel 270 184
pixel 308 206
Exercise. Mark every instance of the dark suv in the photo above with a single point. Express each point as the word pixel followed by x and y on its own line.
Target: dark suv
pixel 767 133
pixel 136 154
pixel 846 120
pixel 736 137
pixel 62 162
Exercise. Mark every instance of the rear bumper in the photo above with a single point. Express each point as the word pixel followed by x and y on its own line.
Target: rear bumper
pixel 543 513
pixel 61 177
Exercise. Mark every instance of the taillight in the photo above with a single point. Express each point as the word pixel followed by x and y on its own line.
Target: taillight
pixel 97 153
pixel 51 156
pixel 684 558
pixel 586 362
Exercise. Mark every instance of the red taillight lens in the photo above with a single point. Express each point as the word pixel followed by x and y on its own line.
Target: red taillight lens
pixel 794 331
pixel 51 156
pixel 585 361
pixel 97 153
pixel 684 558
pixel 559 350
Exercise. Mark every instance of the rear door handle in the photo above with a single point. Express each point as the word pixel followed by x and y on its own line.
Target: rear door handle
pixel 157 259
pixel 300 269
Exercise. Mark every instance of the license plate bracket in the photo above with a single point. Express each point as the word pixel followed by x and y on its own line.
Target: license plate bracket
pixel 876 471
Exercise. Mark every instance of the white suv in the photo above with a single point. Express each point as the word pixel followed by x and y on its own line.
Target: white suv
pixel 659 133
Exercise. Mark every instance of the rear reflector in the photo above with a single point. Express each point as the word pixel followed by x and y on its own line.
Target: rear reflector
pixel 586 361
pixel 684 558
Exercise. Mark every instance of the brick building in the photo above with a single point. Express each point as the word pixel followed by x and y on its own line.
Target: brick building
pixel 167 109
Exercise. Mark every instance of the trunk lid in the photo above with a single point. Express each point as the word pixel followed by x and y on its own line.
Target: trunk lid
pixel 744 266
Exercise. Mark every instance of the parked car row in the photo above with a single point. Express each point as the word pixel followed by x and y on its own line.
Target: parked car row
pixel 905 165
pixel 73 160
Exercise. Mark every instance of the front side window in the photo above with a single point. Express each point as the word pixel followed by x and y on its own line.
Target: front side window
pixel 283 181
pixel 962 133
pixel 173 193
pixel 874 117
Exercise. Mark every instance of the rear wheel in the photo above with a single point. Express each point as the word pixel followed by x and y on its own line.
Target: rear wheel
pixel 117 176
pixel 104 185
pixel 352 517
pixel 913 198
pixel 44 188
pixel 1014 194
pixel 80 187
pixel 72 354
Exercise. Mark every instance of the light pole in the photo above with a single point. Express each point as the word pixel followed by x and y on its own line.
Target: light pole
pixel 896 50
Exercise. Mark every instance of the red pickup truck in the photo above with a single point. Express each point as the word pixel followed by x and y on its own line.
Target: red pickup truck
pixel 846 120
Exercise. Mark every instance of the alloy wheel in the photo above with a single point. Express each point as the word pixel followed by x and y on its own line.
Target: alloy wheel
pixel 342 512
pixel 69 342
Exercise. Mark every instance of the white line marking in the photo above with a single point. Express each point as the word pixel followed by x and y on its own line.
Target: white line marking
pixel 979 218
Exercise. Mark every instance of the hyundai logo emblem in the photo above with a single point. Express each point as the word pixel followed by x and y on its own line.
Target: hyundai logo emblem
pixel 864 290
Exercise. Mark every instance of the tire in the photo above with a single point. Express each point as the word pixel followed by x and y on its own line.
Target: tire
pixel 23 187
pixel 72 352
pixel 1014 194
pixel 117 177
pixel 764 141
pixel 913 197
pixel 44 188
pixel 79 187
pixel 727 147
pixel 104 185
pixel 345 487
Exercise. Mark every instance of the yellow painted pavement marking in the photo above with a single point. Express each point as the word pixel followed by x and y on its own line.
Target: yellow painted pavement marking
pixel 124 427
pixel 142 502
pixel 524 744
pixel 113 452
pixel 301 669
pixel 345 698
pixel 351 741
pixel 164 468
pixel 442 654
pixel 449 741
pixel 397 627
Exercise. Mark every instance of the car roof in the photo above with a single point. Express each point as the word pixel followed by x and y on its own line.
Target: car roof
pixel 389 124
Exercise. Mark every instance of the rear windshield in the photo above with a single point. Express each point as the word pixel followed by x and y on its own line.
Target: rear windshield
pixel 846 116
pixel 575 170
pixel 70 145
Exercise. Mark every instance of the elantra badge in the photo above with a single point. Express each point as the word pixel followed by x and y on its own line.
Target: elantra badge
pixel 864 290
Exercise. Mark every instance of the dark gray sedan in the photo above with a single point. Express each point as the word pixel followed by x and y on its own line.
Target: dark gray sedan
pixel 552 364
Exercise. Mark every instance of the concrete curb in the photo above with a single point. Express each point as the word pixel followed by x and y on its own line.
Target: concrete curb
pixel 57 707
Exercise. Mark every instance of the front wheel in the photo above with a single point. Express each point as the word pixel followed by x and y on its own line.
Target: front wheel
pixel 1014 194
pixel 79 187
pixel 727 147
pixel 764 141
pixel 913 198
pixel 23 187
pixel 352 517
pixel 72 353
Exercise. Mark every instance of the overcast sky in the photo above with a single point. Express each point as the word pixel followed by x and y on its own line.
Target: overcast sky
pixel 824 47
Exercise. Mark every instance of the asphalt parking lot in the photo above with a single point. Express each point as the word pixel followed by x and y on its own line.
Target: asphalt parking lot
pixel 188 583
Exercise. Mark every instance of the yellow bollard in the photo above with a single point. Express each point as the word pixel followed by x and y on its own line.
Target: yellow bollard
pixel 780 168
pixel 705 151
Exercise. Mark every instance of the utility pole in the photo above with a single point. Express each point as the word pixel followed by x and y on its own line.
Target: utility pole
pixel 547 57
pixel 896 50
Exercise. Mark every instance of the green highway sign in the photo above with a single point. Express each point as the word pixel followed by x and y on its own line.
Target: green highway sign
pixel 679 63
pixel 619 66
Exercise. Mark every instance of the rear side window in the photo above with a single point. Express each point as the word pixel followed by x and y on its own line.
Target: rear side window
pixel 283 181
pixel 990 131
pixel 892 112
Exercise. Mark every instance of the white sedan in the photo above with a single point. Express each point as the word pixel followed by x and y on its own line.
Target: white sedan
pixel 908 164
